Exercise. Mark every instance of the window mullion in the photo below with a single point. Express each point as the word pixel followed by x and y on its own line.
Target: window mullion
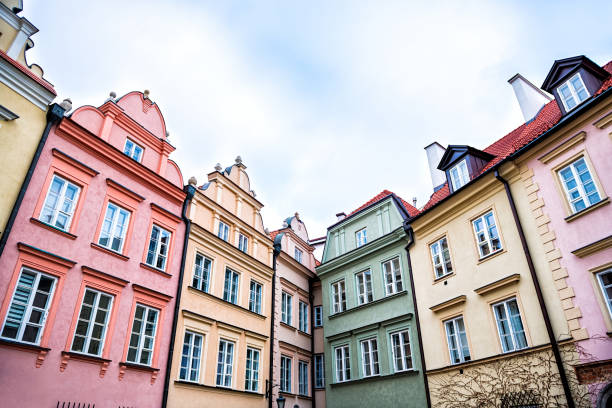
pixel 579 184
pixel 92 318
pixel 58 204
pixel 141 332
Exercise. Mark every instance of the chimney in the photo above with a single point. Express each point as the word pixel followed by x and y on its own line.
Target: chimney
pixel 530 98
pixel 340 216
pixel 434 152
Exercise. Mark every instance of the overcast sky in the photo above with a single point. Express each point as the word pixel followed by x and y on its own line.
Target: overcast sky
pixel 327 102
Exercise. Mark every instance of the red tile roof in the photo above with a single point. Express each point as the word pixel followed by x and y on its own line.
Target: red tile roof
pixel 548 116
pixel 29 73
pixel 273 234
pixel 382 195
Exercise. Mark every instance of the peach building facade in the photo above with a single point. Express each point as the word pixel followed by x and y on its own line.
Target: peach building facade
pixel 90 270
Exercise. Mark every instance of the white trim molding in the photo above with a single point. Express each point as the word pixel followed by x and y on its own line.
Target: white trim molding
pixel 24 85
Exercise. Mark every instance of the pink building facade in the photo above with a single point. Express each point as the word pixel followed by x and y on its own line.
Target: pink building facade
pixel 89 272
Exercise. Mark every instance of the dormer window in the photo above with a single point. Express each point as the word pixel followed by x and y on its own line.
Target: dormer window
pixel 459 175
pixel 573 92
pixel 361 237
pixel 133 150
pixel 297 254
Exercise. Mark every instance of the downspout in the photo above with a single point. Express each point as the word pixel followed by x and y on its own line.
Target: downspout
pixel 276 252
pixel 54 114
pixel 312 373
pixel 538 289
pixel 190 189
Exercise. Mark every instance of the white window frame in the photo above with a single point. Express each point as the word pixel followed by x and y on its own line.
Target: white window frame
pixel 365 293
pixel 285 373
pixel 458 337
pixel 487 234
pixel 142 336
pixel 342 363
pixel 603 287
pixel 298 254
pixel 28 306
pixel 513 333
pixel 202 273
pixel 225 369
pixel 251 376
pixel 303 316
pixel 369 358
pixel 436 250
pixel 91 322
pixel 361 237
pixel 406 360
pixel 193 362
pixel 224 231
pixel 61 201
pixel 230 293
pixel 459 175
pixel 573 92
pixel 286 308
pixel 243 243
pixel 395 285
pixel 338 294
pixel 583 196
pixel 255 296
pixel 302 378
pixel 318 316
pixel 112 231
pixel 159 246
pixel 319 370
pixel 131 150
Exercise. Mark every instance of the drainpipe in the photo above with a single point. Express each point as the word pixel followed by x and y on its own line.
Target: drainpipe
pixel 312 373
pixel 54 114
pixel 190 189
pixel 538 289
pixel 275 254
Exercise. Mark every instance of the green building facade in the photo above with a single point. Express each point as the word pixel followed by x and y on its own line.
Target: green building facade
pixel 372 354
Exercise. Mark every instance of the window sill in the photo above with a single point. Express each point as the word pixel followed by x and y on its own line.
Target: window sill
pixel 152 269
pixel 383 299
pixel 587 210
pixel 289 394
pixel 199 291
pixel 490 256
pixel 443 277
pixel 290 327
pixel 109 251
pixel 303 333
pixel 67 355
pixel 124 365
pixel 41 351
pixel 216 387
pixel 304 397
pixel 375 378
pixel 53 229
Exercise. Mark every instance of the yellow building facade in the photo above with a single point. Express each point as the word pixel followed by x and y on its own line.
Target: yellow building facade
pixel 221 353
pixel 24 97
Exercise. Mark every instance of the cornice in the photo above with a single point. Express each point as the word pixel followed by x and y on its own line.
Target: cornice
pixel 459 300
pixel 295 264
pixel 498 284
pixel 235 188
pixel 24 85
pixel 593 247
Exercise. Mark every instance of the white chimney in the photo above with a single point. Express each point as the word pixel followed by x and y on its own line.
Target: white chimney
pixel 530 98
pixel 435 151
pixel 340 216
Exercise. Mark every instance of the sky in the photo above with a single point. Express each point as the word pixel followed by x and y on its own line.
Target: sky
pixel 327 102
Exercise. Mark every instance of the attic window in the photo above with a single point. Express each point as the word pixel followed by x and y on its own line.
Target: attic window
pixel 459 175
pixel 133 150
pixel 573 92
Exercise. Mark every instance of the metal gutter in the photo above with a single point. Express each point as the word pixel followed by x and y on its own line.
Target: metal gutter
pixel 312 371
pixel 275 254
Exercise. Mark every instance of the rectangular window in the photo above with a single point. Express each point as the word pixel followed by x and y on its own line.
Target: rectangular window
pixel 190 359
pixel 486 234
pixel 255 297
pixel 285 380
pixel 573 92
pixel 158 247
pixel 580 189
pixel 60 203
pixel 201 272
pixel 230 288
pixel 440 257
pixel 297 254
pixel 303 378
pixel 343 363
pixel 133 150
pixel 361 237
pixel 457 340
pixel 243 243
pixel 114 227
pixel 27 314
pixel 510 325
pixel 318 316
pixel 225 363
pixel 400 345
pixel 319 366
pixel 605 282
pixel 286 308
pixel 251 379
pixel 369 357
pixel 364 287
pixel 393 276
pixel 459 175
pixel 338 297
pixel 303 316
pixel 223 232
pixel 142 339
pixel 91 326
